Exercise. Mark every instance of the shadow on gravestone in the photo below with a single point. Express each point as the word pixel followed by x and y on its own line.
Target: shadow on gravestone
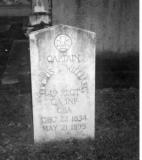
pixel 18 67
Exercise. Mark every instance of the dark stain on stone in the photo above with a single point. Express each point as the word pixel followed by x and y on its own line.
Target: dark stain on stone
pixel 78 2
pixel 125 3
pixel 106 3
pixel 114 4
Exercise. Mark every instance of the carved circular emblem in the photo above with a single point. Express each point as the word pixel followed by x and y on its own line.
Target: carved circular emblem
pixel 63 43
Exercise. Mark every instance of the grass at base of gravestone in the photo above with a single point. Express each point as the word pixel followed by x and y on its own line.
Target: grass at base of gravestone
pixel 117 132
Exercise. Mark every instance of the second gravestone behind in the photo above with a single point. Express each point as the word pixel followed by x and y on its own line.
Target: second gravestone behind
pixel 63 83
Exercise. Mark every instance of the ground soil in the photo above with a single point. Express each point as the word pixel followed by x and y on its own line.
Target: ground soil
pixel 116 132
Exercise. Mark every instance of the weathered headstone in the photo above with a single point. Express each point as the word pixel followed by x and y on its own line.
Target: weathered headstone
pixel 63 83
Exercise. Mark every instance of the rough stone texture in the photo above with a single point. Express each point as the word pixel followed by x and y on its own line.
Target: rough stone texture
pixel 42 11
pixel 41 5
pixel 63 83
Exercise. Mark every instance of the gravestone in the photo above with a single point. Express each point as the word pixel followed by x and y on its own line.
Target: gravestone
pixel 63 83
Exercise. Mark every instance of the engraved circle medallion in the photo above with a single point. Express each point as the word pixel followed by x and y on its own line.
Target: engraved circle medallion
pixel 63 43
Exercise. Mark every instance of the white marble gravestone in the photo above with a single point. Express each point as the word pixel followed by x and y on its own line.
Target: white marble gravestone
pixel 63 83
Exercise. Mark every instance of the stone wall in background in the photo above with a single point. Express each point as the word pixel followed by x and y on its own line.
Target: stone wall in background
pixel 116 22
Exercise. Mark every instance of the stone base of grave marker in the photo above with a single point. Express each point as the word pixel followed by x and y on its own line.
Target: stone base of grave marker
pixel 63 83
